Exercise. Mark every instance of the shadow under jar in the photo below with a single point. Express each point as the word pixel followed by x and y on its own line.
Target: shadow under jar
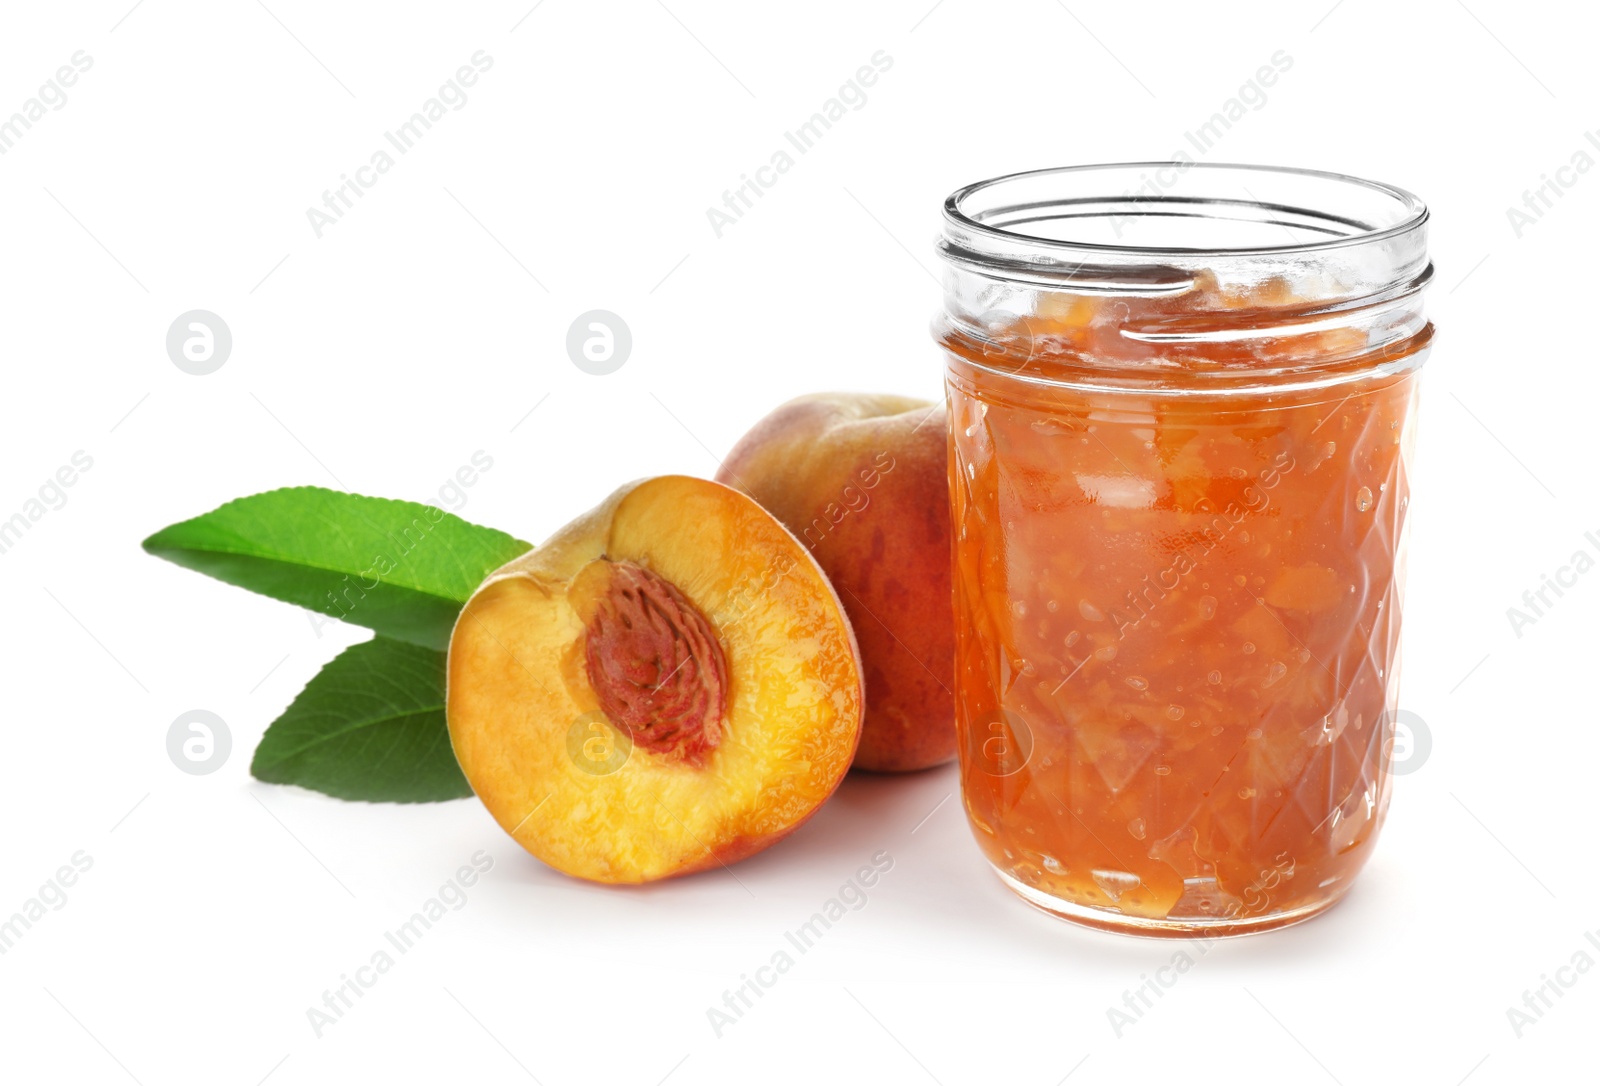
pixel 1181 413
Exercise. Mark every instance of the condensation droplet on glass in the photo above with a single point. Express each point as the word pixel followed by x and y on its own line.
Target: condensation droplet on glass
pixel 1214 678
pixel 1136 827
pixel 1244 536
pixel 1216 729
pixel 1364 499
pixel 1174 712
pixel 1239 579
pixel 1276 671
pixel 1208 607
pixel 1073 638
pixel 1090 611
pixel 1253 733
pixel 1052 606
pixel 1019 608
pixel 1163 770
pixel 1238 473
pixel 1107 652
pixel 1248 647
pixel 972 470
pixel 1053 865
pixel 1305 654
pixel 1138 682
pixel 1247 793
pixel 972 431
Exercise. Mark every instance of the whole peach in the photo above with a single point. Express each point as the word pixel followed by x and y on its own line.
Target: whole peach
pixel 862 481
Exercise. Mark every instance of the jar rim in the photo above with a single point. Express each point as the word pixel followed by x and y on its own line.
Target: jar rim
pixel 967 225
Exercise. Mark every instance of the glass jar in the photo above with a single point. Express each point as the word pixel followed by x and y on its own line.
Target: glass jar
pixel 1181 412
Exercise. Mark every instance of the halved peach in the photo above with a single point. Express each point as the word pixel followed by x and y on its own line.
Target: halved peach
pixel 668 684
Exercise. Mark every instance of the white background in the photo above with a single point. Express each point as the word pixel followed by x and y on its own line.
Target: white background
pixel 428 323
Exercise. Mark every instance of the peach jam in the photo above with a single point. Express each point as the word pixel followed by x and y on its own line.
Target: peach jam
pixel 1181 411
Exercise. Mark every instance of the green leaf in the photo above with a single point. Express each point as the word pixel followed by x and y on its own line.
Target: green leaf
pixel 370 726
pixel 399 568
